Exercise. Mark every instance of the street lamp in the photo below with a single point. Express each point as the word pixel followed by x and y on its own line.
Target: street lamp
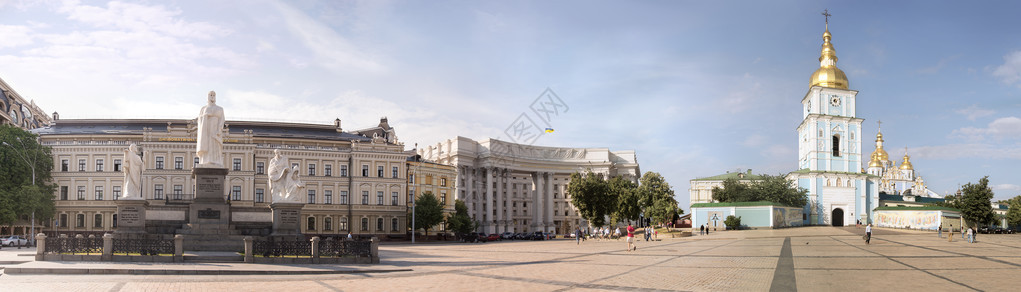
pixel 32 166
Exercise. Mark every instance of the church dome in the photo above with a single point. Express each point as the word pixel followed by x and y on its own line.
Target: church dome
pixel 879 155
pixel 906 165
pixel 828 75
pixel 875 161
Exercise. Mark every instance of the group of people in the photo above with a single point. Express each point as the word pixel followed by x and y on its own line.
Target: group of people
pixel 703 230
pixel 968 234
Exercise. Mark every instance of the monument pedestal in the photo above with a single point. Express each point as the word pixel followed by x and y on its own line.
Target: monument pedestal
pixel 286 218
pixel 131 216
pixel 209 206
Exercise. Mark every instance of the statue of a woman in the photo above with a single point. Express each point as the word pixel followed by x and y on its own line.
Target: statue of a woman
pixel 132 174
pixel 210 134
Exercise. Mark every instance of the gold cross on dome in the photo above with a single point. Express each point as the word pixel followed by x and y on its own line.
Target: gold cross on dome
pixel 826 13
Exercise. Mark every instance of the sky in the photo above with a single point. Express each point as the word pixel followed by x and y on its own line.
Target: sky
pixel 696 88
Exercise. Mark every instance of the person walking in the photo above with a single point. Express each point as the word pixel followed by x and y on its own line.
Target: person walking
pixel 630 238
pixel 950 237
pixel 868 233
pixel 969 235
pixel 577 236
pixel 939 231
pixel 701 229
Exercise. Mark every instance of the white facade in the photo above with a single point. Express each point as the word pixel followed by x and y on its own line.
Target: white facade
pixel 522 188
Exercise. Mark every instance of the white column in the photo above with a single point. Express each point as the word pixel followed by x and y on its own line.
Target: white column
pixel 458 185
pixel 470 189
pixel 488 200
pixel 549 201
pixel 536 208
pixel 500 209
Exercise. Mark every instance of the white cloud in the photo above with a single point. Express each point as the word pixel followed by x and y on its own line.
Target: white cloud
pixel 1006 188
pixel 15 36
pixel 135 17
pixel 999 129
pixel 1010 71
pixel 973 150
pixel 335 51
pixel 754 140
pixel 973 112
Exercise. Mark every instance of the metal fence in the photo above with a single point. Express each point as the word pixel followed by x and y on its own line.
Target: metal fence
pixel 72 245
pixel 143 246
pixel 338 248
pixel 278 248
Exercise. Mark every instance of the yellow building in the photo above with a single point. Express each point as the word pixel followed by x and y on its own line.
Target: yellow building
pixel 425 176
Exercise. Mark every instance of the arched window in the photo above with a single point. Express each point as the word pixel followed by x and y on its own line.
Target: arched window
pixel 80 218
pixel 836 145
pixel 379 224
pixel 393 224
pixel 343 223
pixel 311 223
pixel 328 224
pixel 365 224
pixel 98 220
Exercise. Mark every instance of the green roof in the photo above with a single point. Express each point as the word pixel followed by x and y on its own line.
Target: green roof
pixel 733 175
pixel 738 204
pixel 918 208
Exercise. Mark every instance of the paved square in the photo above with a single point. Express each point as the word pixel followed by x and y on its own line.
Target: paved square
pixel 824 259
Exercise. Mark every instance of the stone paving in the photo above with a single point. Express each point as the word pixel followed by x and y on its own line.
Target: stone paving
pixel 824 259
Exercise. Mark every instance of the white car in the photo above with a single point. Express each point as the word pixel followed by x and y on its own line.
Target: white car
pixel 13 240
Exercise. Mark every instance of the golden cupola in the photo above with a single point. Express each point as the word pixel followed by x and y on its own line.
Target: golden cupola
pixel 906 165
pixel 828 75
pixel 879 155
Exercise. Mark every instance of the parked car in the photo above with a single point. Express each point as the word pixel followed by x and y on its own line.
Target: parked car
pixel 493 237
pixel 523 236
pixel 507 235
pixel 538 235
pixel 13 240
pixel 483 237
pixel 470 237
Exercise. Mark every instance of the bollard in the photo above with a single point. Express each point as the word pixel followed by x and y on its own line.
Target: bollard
pixel 249 256
pixel 178 248
pixel 315 249
pixel 40 246
pixel 107 248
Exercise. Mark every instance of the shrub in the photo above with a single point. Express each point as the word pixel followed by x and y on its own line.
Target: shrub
pixel 733 222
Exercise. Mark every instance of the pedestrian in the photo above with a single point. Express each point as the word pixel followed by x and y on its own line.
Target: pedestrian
pixel 974 236
pixel 349 235
pixel 950 237
pixel 577 235
pixel 939 231
pixel 701 229
pixel 630 237
pixel 707 230
pixel 868 233
pixel 969 235
pixel 647 233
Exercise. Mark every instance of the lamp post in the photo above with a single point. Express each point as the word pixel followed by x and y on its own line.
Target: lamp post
pixel 414 190
pixel 32 166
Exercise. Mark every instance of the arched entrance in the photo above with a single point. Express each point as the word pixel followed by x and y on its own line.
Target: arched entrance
pixel 838 217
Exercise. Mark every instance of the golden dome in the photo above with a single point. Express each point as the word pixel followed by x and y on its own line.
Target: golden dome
pixel 906 165
pixel 875 161
pixel 828 75
pixel 879 155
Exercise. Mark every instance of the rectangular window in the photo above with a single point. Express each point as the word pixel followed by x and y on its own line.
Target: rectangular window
pixel 116 165
pixel 394 171
pixel 178 162
pixel 196 162
pixel 159 162
pixel 443 182
pixel 836 146
pixel 97 221
pixel 411 178
pixel 99 165
pixel 343 197
pixel 379 171
pixel 311 223
pixel 178 192
pixel 343 170
pixel 158 192
pixel 379 224
pixel 235 193
pixel 365 197
pixel 393 224
pixel 259 195
pixel 80 220
pixel 81 164
pixel 443 198
pixel 81 192
pixel 311 196
pixel 365 224
pixel 99 193
pixel 379 198
pixel 260 167
pixel 63 221
pixel 328 223
pixel 311 169
pixel 328 170
pixel 116 192
pixel 63 164
pixel 63 193
pixel 365 170
pixel 328 197
pixel 393 198
pixel 237 164
pixel 343 223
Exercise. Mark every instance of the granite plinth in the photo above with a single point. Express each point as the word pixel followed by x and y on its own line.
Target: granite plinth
pixel 286 218
pixel 131 216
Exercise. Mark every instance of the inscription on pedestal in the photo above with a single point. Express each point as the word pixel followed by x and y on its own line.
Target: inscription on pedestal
pixel 209 213
pixel 212 186
pixel 129 216
pixel 288 217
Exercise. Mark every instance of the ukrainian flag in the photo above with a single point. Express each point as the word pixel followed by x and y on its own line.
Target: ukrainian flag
pixel 549 130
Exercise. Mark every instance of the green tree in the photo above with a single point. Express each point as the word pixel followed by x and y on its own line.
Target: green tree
pixel 628 200
pixel 461 222
pixel 1014 211
pixel 428 212
pixel 732 191
pixel 975 202
pixel 733 222
pixel 657 197
pixel 776 189
pixel 591 195
pixel 21 194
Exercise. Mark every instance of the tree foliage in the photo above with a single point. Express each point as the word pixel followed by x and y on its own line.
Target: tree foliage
pixel 461 222
pixel 733 222
pixel 1014 211
pixel 657 198
pixel 975 202
pixel 592 196
pixel 776 189
pixel 18 196
pixel 628 206
pixel 428 212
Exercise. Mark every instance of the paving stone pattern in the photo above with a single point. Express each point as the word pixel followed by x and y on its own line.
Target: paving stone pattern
pixel 824 259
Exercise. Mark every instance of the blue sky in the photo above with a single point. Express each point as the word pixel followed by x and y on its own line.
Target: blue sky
pixel 696 88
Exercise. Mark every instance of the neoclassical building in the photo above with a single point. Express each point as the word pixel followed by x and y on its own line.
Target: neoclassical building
pixel 701 189
pixel 512 187
pixel 16 110
pixel 438 179
pixel 353 182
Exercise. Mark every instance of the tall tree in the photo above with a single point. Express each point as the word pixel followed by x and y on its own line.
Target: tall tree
pixel 657 197
pixel 776 189
pixel 461 222
pixel 21 194
pixel 1014 211
pixel 732 191
pixel 628 200
pixel 428 212
pixel 975 203
pixel 591 195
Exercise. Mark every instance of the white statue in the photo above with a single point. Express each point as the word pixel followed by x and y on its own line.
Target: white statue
pixel 284 184
pixel 210 134
pixel 132 174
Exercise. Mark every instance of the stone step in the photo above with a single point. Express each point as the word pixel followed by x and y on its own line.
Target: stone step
pixel 215 247
pixel 214 259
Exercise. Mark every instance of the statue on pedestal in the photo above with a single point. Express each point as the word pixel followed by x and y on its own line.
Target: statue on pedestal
pixel 210 134
pixel 132 174
pixel 284 184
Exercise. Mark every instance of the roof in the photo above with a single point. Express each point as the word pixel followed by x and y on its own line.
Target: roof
pixel 734 175
pixel 739 204
pixel 916 208
pixel 137 127
pixel 918 199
